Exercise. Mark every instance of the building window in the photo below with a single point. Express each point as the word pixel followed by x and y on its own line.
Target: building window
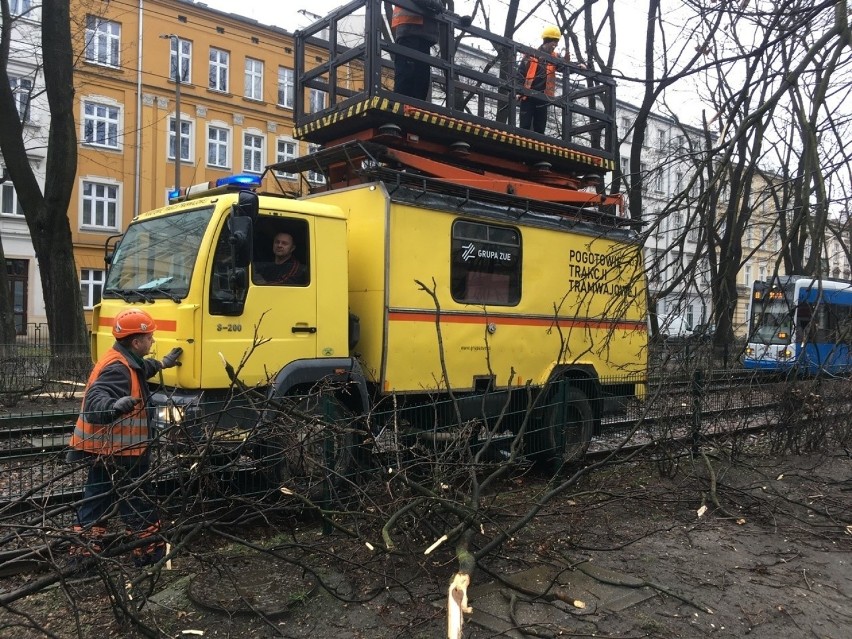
pixel 185 139
pixel 9 204
pixel 661 140
pixel 181 51
pixel 692 229
pixel 252 153
pixel 254 79
pixel 317 102
pixel 218 147
pixel 103 38
pixel 288 149
pixel 747 275
pixel 91 285
pixel 315 177
pixel 100 205
pixel 643 175
pixel 286 87
pixel 485 264
pixel 100 125
pixel 22 89
pixel 218 70
pixel 658 180
pixel 20 7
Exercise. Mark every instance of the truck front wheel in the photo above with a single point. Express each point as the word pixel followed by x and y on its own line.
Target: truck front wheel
pixel 307 445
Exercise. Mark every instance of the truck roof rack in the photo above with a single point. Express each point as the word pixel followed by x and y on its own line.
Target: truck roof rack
pixel 357 162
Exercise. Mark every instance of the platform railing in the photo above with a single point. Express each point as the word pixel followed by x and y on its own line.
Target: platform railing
pixel 347 57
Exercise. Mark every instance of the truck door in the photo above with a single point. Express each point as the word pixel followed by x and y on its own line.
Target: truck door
pixel 280 306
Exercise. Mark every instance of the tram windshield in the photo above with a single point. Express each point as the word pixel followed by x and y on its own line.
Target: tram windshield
pixel 771 322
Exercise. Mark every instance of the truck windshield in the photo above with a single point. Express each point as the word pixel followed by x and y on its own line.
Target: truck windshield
pixel 155 257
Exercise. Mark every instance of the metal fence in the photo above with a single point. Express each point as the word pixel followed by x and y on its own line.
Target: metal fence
pixel 288 448
pixel 30 371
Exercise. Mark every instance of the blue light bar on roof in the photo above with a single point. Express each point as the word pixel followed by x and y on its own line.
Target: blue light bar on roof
pixel 216 187
pixel 250 181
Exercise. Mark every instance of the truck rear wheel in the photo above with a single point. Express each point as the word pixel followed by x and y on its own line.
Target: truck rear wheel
pixel 567 428
pixel 308 449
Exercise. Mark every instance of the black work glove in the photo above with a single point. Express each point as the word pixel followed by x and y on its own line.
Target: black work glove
pixel 171 358
pixel 124 405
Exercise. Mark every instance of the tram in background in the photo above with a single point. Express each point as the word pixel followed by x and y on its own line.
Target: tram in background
pixel 800 324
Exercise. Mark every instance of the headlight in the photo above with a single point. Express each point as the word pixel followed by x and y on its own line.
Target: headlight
pixel 785 354
pixel 749 350
pixel 170 414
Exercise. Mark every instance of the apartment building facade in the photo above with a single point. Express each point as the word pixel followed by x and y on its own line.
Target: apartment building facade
pixel 234 81
pixel 672 252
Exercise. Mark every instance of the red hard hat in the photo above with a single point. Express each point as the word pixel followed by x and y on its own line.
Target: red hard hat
pixel 132 321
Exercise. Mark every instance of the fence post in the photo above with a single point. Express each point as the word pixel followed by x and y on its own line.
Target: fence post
pixel 697 393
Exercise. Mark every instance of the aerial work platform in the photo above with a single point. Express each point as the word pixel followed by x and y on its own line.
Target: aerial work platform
pixel 467 131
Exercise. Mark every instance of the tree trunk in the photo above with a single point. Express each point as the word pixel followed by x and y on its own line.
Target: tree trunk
pixel 47 213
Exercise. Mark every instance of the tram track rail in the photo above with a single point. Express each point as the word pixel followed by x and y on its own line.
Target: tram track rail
pixel 43 556
pixel 27 427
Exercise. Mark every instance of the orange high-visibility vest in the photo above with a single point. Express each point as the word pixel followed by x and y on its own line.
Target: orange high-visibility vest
pixel 128 435
pixel 549 76
pixel 405 16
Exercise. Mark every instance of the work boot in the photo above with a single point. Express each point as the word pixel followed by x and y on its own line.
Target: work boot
pixel 152 552
pixel 85 544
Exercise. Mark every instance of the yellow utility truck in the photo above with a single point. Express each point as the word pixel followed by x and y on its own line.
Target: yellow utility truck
pixel 445 268
pixel 405 293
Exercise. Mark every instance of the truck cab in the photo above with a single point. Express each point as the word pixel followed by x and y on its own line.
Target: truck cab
pixel 196 267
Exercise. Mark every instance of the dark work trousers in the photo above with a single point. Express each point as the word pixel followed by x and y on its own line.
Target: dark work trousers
pixel 412 77
pixel 117 479
pixel 533 116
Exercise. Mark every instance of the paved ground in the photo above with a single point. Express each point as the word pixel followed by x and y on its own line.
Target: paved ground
pixel 626 555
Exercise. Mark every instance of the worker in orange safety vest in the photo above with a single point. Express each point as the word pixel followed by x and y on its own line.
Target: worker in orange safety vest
pixel 112 437
pixel 417 30
pixel 538 74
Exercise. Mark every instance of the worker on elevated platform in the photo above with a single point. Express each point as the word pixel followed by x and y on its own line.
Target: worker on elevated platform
pixel 537 73
pixel 416 30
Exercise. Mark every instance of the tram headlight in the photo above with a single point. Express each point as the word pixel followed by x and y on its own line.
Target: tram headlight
pixel 749 351
pixel 785 354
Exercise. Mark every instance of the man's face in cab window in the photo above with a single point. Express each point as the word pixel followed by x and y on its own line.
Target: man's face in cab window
pixel 282 246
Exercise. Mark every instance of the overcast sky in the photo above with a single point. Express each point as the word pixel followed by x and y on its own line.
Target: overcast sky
pixel 286 13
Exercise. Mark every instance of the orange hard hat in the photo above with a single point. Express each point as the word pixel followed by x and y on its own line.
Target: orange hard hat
pixel 132 321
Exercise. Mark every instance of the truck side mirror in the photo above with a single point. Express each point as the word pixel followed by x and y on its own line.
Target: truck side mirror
pixel 247 205
pixel 240 231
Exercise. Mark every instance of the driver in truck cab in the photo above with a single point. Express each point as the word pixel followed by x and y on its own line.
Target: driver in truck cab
pixel 285 268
